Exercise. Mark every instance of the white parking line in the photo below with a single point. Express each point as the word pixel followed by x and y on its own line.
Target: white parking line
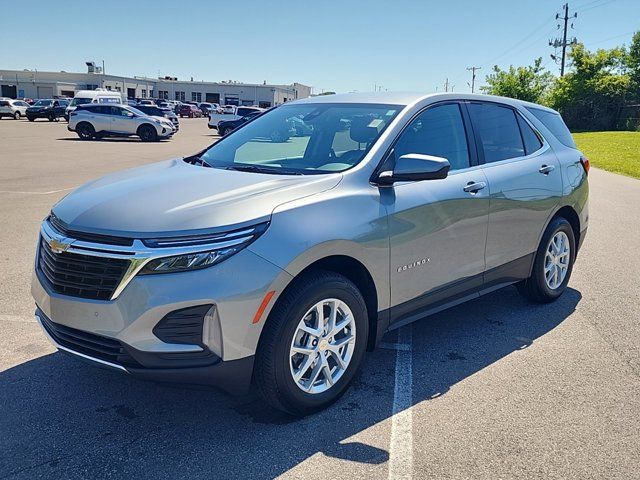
pixel 401 444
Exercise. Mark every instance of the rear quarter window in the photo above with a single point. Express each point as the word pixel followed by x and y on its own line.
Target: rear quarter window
pixel 554 123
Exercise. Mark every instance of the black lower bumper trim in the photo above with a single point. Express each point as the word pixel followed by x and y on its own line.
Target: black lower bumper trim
pixel 233 376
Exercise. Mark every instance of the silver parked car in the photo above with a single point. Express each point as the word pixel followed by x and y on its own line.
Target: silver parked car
pixel 281 263
pixel 97 120
pixel 13 108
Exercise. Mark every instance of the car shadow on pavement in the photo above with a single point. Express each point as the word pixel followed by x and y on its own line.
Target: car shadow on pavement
pixel 60 418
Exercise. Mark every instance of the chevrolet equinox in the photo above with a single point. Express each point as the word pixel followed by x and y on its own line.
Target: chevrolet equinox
pixel 279 263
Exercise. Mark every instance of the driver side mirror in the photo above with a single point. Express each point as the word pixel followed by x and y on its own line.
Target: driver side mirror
pixel 415 167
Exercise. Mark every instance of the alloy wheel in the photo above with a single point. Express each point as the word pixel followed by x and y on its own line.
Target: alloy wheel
pixel 556 260
pixel 322 346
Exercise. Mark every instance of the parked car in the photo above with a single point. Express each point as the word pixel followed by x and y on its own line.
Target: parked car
pixel 225 127
pixel 99 120
pixel 160 112
pixel 146 102
pixel 229 109
pixel 190 111
pixel 207 108
pixel 99 95
pixel 50 109
pixel 282 266
pixel 215 118
pixel 13 108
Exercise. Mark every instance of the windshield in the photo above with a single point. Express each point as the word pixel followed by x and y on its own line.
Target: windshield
pixel 43 103
pixel 136 111
pixel 79 101
pixel 303 139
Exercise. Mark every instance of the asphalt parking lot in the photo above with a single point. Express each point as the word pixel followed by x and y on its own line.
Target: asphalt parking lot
pixel 495 388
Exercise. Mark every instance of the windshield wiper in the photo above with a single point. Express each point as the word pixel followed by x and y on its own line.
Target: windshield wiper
pixel 261 169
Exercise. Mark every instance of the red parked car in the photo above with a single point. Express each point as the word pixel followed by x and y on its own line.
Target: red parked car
pixel 190 111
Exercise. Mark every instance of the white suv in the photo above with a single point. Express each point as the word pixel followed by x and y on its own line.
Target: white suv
pixel 100 120
pixel 13 108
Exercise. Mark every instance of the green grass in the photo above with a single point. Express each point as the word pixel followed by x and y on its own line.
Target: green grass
pixel 618 152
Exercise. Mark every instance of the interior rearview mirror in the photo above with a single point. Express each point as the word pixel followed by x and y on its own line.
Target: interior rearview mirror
pixel 415 167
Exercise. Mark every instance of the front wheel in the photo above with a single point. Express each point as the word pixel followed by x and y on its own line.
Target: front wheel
pixel 313 344
pixel 51 117
pixel 147 133
pixel 31 119
pixel 553 264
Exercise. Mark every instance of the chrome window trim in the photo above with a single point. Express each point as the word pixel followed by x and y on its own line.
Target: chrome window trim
pixel 138 254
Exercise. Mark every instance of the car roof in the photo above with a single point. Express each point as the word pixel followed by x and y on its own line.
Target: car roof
pixel 409 98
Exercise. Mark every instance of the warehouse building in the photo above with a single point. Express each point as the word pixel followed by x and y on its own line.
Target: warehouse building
pixel 36 84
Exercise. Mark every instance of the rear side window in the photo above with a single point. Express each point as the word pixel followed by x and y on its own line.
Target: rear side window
pixel 532 142
pixel 437 131
pixel 499 131
pixel 553 121
pixel 245 111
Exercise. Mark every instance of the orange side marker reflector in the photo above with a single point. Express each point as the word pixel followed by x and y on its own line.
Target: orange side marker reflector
pixel 263 305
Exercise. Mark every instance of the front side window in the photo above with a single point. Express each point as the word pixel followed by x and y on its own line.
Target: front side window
pixel 303 139
pixel 438 131
pixel 43 103
pixel 499 131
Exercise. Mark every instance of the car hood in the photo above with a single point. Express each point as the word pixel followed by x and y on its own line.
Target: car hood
pixel 38 109
pixel 173 197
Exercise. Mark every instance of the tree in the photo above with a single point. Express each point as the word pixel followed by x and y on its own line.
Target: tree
pixel 633 65
pixel 593 94
pixel 529 83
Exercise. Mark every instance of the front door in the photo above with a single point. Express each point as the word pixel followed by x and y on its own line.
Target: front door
pixel 437 228
pixel 525 185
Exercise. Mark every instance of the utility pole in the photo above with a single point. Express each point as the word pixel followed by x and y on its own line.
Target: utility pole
pixel 446 85
pixel 473 76
pixel 564 42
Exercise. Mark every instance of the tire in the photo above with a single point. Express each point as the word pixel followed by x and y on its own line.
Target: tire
pixel 31 119
pixel 147 133
pixel 16 116
pixel 275 362
pixel 51 117
pixel 543 286
pixel 85 131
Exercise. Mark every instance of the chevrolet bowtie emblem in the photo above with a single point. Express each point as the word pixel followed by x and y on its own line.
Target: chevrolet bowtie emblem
pixel 58 247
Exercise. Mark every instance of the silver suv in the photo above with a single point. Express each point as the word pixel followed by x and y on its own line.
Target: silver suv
pixel 97 120
pixel 279 263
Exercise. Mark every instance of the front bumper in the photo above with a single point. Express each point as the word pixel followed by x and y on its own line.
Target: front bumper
pixel 232 376
pixel 235 288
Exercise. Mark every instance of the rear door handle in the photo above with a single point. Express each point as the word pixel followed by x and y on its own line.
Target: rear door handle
pixel 473 187
pixel 545 169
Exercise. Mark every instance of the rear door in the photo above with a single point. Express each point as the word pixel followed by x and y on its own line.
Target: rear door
pixel 438 228
pixel 525 185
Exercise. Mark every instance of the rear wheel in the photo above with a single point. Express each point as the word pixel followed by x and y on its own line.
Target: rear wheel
pixel 147 133
pixel 16 116
pixel 553 264
pixel 85 131
pixel 313 344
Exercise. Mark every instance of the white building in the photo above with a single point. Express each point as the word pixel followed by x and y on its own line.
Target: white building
pixel 37 84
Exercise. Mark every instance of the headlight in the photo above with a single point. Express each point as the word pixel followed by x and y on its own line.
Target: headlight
pixel 210 250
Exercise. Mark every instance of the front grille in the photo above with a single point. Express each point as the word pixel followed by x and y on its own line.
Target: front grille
pixel 96 346
pixel 83 276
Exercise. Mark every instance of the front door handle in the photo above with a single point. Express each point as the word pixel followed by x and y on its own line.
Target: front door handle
pixel 545 169
pixel 473 187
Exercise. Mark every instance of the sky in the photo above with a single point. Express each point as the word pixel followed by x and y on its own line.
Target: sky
pixel 331 45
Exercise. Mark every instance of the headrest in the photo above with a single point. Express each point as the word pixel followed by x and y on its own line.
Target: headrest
pixel 364 129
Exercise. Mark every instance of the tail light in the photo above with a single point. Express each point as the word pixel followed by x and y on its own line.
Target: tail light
pixel 584 161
